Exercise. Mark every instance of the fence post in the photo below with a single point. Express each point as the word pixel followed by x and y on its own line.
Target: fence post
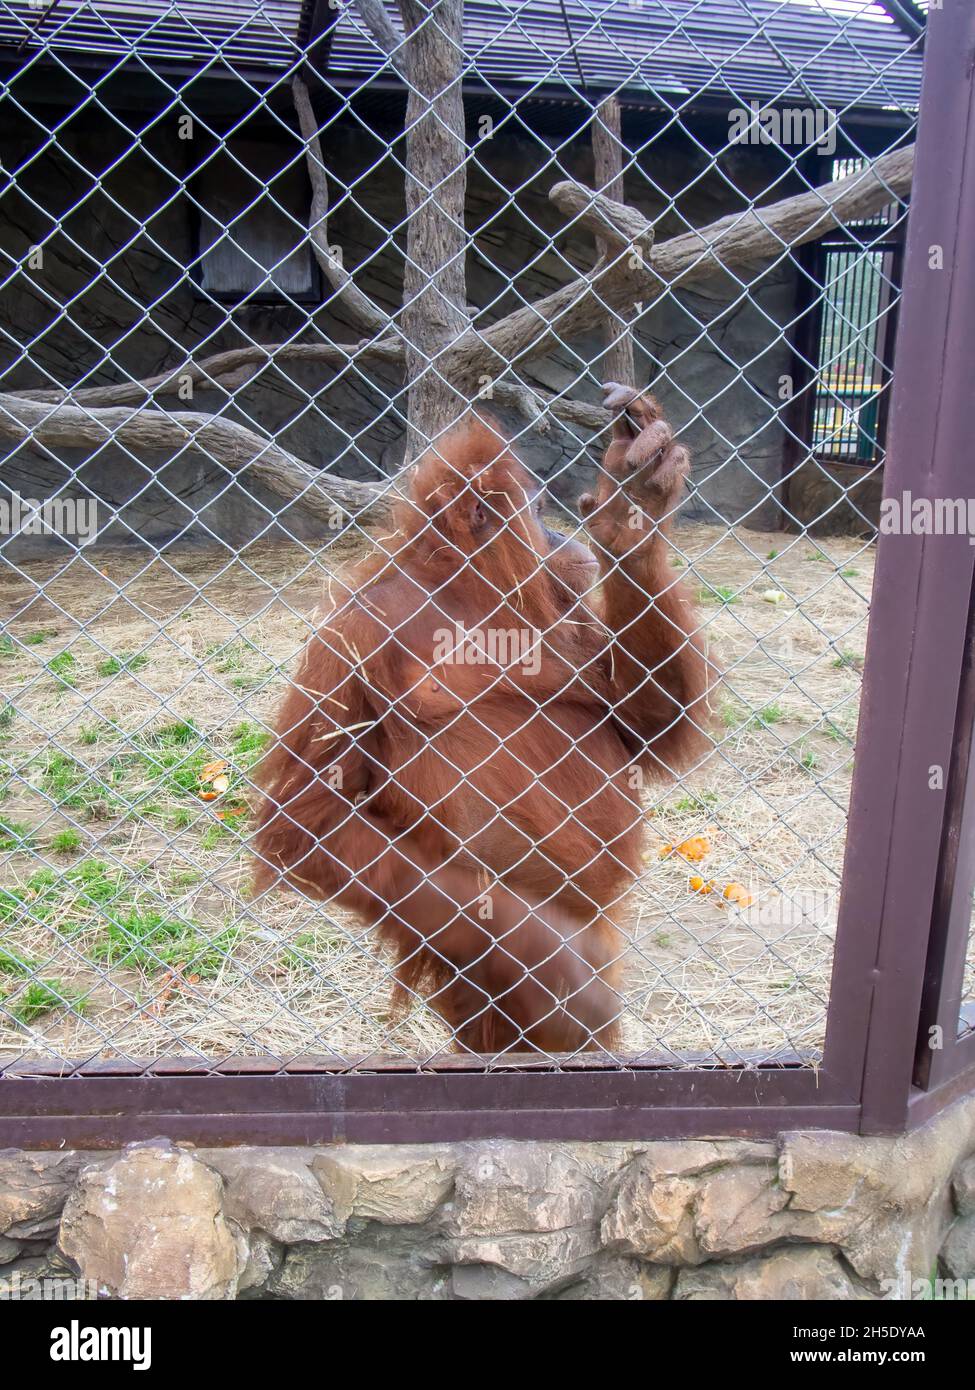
pixel 920 607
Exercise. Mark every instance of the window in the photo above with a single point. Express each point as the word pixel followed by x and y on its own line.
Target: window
pixel 254 226
pixel 858 270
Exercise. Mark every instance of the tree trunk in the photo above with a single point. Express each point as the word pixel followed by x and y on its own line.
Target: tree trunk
pixel 434 290
pixel 607 152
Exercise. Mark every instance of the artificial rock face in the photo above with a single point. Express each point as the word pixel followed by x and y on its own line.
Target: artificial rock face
pixel 151 1225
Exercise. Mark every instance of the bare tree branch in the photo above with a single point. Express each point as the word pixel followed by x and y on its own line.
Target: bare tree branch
pixel 381 27
pixel 367 314
pixel 728 244
pixel 239 449
pixel 220 370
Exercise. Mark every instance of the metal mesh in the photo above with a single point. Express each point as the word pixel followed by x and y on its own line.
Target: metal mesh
pixel 244 286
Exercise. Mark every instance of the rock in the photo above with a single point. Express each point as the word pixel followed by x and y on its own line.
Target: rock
pixel 488 1284
pixel 511 1187
pixel 964 1187
pixel 798 1273
pixel 542 1262
pixel 740 1208
pixel 275 1190
pixel 261 1257
pixel 653 1219
pixel 525 1216
pixel 833 499
pixel 652 1212
pixel 386 1263
pixel 885 1201
pixel 958 1251
pixel 150 1225
pixel 394 1184
pixel 33 1188
pixel 9 1250
pixel 620 1280
pixel 41 1277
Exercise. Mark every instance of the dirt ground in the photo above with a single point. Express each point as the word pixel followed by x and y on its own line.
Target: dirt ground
pixel 125 924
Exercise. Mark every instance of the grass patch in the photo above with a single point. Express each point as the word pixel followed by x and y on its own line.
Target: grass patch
pixel 767 716
pixel 151 941
pixel 34 639
pixel 719 593
pixel 14 835
pixel 28 1002
pixel 115 665
pixel 66 841
pixel 696 803
pixel 39 997
pixel 173 756
pixel 12 964
pixel 175 734
pixel 733 715
pixel 75 787
pixel 185 879
pixel 62 668
pixel 304 951
pixel 70 898
pixel 249 743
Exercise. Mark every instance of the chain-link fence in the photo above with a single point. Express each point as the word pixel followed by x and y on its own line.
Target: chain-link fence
pixel 517 774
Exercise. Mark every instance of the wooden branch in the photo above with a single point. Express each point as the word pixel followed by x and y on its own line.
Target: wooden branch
pixel 607 152
pixel 728 244
pixel 225 369
pixel 221 370
pixel 525 399
pixel 743 238
pixel 239 449
pixel 434 312
pixel 367 314
pixel 383 31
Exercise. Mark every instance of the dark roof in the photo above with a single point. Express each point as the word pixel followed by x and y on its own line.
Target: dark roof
pixel 850 53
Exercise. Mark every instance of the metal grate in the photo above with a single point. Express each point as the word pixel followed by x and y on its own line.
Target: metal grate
pixel 236 419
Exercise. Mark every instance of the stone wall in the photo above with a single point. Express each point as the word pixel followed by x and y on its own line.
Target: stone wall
pixel 836 499
pixel 125 236
pixel 812 1215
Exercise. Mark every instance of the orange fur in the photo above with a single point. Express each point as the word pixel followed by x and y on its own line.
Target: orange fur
pixel 479 814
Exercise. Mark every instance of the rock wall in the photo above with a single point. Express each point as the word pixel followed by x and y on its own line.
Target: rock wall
pixel 811 1215
pixel 835 499
pixel 118 237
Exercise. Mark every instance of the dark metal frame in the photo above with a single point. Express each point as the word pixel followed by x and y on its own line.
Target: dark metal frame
pixel 898 938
